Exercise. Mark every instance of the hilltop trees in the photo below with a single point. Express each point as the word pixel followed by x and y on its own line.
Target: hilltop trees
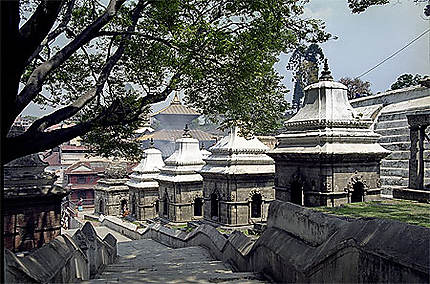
pixel 356 87
pixel 406 80
pixel 77 55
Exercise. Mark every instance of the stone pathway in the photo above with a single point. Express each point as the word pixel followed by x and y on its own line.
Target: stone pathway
pixel 147 261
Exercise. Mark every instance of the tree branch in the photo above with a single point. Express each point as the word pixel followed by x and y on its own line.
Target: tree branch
pixel 18 146
pixel 55 33
pixel 10 72
pixel 36 28
pixel 110 116
pixel 64 113
pixel 35 82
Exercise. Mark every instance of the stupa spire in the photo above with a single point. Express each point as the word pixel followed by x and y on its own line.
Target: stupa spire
pixel 176 100
pixel 326 73
pixel 186 132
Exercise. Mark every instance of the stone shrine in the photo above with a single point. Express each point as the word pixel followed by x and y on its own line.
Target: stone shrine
pixel 181 195
pixel 238 181
pixel 328 155
pixel 31 204
pixel 111 192
pixel 144 202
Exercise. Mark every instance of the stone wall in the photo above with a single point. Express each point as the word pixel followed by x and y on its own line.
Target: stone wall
pixel 389 112
pixel 180 199
pixel 144 202
pixel 26 228
pixel 392 97
pixel 234 194
pixel 302 245
pixel 64 260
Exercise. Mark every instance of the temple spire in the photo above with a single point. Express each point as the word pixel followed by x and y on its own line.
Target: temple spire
pixel 151 143
pixel 176 100
pixel 186 132
pixel 326 73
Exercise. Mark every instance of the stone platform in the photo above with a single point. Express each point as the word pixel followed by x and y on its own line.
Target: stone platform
pixel 412 194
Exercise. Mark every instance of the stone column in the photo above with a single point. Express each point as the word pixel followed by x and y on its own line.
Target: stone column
pixel 413 160
pixel 420 171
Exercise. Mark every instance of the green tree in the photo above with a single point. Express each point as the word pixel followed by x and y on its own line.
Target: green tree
pixel 77 56
pixel 356 87
pixel 406 80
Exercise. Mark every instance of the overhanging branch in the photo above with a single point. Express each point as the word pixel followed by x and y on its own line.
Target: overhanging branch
pixel 35 82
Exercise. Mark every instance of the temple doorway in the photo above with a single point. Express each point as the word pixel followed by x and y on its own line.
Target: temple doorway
pixel 198 206
pixel 256 203
pixel 157 206
pixel 123 206
pixel 101 207
pixel 297 192
pixel 133 206
pixel 165 205
pixel 214 205
pixel 357 194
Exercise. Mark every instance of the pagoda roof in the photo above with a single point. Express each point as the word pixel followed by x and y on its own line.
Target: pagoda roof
pixel 174 134
pixel 176 107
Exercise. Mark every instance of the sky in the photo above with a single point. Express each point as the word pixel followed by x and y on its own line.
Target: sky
pixel 364 40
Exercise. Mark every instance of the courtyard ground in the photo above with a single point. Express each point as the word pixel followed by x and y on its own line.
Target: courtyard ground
pixel 410 212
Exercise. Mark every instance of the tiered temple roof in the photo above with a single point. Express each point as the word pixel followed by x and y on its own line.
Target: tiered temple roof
pixel 176 107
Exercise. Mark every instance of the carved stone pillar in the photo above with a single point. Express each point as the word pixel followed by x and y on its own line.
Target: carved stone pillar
pixel 420 170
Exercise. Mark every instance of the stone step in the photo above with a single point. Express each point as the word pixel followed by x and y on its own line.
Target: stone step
pixel 398 155
pixel 187 266
pixel 386 116
pixel 147 261
pixel 208 277
pixel 401 172
pixel 397 172
pixel 388 190
pixel 394 131
pixel 394 138
pixel 392 124
pixel 387 181
pixel 405 155
pixel 403 164
pixel 397 146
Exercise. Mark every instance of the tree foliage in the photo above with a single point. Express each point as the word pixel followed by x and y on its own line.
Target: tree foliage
pixel 304 63
pixel 77 55
pixel 356 87
pixel 406 80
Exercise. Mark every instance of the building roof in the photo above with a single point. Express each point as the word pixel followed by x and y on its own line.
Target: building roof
pixel 87 167
pixel 174 134
pixel 176 107
pixel 75 148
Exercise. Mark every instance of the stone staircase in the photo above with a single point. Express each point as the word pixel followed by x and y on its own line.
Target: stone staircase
pixel 394 130
pixel 147 261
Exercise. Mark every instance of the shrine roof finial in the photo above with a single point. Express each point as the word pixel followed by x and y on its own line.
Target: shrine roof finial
pixel 151 143
pixel 326 73
pixel 186 132
pixel 176 100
